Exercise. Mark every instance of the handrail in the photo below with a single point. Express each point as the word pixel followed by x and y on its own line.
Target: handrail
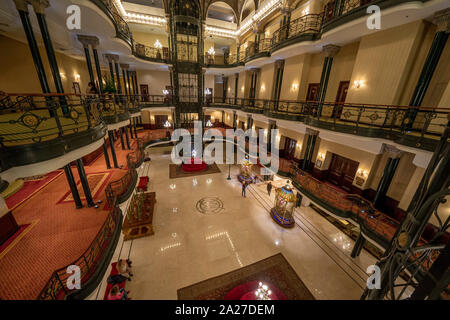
pixel 91 259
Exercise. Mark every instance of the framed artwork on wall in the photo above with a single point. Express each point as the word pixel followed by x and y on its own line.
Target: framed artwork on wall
pixel 319 163
pixel 76 88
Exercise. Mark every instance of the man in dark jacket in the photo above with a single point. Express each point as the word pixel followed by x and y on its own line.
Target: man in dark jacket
pixel 269 188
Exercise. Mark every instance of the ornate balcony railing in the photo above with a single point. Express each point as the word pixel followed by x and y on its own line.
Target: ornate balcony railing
pixel 416 127
pixel 151 53
pixel 122 30
pixel 92 263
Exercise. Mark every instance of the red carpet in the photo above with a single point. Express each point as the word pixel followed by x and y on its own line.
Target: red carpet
pixel 97 183
pixel 30 187
pixel 62 234
pixel 14 238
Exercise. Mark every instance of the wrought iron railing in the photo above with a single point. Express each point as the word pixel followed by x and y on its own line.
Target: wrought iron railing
pixel 57 286
pixel 152 53
pixel 32 118
pixel 384 121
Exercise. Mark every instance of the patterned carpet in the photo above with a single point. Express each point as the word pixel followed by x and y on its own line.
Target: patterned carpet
pixel 274 271
pixel 176 172
pixel 59 236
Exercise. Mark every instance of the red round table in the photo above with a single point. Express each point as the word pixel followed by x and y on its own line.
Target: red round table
pixel 247 290
pixel 194 165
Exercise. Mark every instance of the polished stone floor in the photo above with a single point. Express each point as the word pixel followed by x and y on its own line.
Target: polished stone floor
pixel 190 246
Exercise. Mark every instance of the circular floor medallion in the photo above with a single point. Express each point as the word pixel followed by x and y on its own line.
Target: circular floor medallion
pixel 209 205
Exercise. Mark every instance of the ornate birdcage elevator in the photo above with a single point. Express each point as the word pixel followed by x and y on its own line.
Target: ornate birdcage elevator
pixel 186 36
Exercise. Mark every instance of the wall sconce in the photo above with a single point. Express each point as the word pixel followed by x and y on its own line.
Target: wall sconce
pixel 305 11
pixel 207 91
pixel 361 172
pixel 294 87
pixel 62 75
pixel 358 83
pixel 242 88
pixel 321 156
pixel 263 88
pixel 77 76
pixel 152 118
pixel 211 51
pixel 229 89
pixel 157 44
pixel 165 92
pixel 267 34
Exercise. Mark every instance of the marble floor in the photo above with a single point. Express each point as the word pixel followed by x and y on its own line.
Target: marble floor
pixel 189 246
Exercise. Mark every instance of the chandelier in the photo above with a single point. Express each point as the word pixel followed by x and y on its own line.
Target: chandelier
pixel 263 292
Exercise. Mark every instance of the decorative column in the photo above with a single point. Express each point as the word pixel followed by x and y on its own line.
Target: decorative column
pixel 135 129
pixel 39 8
pixel 113 150
pixel 94 45
pixel 388 175
pixel 22 7
pixel 234 120
pixel 330 51
pixel 126 86
pixel 105 153
pixel 73 186
pixel 85 41
pixel 236 83
pixel 121 138
pixel 442 20
pixel 223 119
pixel 130 84
pixel 309 151
pixel 279 69
pixel 135 81
pixel 111 59
pixel 249 121
pixel 116 65
pixel 84 183
pixel 286 12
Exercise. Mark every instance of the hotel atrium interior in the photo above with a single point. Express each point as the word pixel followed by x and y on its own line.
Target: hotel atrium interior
pixel 224 150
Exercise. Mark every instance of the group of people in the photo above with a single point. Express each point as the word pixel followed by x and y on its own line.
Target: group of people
pixel 123 274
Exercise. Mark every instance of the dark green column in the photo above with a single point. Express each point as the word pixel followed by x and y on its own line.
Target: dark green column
pixel 134 126
pixel 24 17
pixel 330 51
pixel 105 153
pixel 113 150
pixel 84 183
pixel 121 138
pixel 385 182
pixel 49 49
pixel 119 87
pixel 89 63
pixel 98 69
pixel 111 71
pixel 431 62
pixel 73 186
pixel 305 156
pixel 236 83
pixel 125 88
pixel 234 120
pixel 311 151
pixel 129 83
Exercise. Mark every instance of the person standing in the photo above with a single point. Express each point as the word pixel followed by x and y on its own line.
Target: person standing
pixel 244 187
pixel 269 188
pixel 299 200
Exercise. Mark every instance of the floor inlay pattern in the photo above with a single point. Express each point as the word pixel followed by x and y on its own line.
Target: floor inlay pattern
pixel 209 205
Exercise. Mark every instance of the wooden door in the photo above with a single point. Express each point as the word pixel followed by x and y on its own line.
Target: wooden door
pixel 144 92
pixel 289 148
pixel 160 120
pixel 342 171
pixel 313 91
pixel 340 98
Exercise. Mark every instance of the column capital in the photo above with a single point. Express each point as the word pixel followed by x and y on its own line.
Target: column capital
pixel 442 20
pixel 312 132
pixel 279 63
pixel 392 150
pixel 249 115
pixel 112 57
pixel 88 40
pixel 124 66
pixel 330 50
pixel 22 5
pixel 39 6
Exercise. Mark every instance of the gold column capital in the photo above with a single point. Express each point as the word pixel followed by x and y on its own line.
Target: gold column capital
pixel 88 40
pixel 442 20
pixel 39 6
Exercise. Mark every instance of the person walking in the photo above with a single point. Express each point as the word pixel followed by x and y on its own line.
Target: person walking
pixel 269 188
pixel 244 187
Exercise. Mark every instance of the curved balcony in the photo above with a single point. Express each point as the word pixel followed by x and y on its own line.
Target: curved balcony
pixel 414 127
pixel 39 127
pixel 113 108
